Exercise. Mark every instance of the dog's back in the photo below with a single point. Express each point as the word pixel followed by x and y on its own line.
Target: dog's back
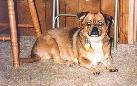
pixel 56 44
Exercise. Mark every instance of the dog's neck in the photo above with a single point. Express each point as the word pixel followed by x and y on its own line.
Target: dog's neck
pixel 93 42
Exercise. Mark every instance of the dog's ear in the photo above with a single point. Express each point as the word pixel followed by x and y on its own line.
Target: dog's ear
pixel 109 20
pixel 81 15
pixel 110 23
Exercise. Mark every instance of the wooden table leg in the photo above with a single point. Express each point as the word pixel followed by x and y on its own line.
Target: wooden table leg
pixel 34 17
pixel 13 30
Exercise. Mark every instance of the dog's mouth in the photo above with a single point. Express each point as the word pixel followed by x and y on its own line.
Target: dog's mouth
pixel 94 35
pixel 94 32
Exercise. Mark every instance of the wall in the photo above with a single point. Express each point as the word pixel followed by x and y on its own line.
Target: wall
pixel 75 6
pixel 44 8
pixel 22 15
pixel 123 21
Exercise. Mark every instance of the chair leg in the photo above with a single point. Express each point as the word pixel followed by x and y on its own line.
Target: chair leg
pixel 34 17
pixel 13 30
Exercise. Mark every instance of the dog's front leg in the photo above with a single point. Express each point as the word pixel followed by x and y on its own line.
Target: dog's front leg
pixel 107 59
pixel 108 64
pixel 88 64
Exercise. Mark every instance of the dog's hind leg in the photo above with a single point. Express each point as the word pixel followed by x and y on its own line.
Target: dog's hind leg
pixel 32 58
pixel 56 56
pixel 55 52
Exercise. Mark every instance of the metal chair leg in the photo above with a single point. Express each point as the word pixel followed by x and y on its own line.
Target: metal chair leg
pixel 116 24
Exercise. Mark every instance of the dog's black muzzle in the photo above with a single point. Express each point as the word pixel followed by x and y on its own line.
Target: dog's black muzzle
pixel 94 31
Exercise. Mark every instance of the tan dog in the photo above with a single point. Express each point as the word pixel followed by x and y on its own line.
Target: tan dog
pixel 87 46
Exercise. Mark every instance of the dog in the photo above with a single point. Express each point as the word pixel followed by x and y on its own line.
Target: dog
pixel 86 46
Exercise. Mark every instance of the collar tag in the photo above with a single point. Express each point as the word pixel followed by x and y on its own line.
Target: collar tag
pixel 87 46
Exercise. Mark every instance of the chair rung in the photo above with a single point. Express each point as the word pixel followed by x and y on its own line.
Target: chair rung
pixel 19 25
pixel 4 38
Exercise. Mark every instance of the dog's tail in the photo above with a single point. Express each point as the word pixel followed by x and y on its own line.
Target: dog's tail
pixel 32 58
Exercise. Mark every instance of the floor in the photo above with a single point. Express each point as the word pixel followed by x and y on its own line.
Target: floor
pixel 50 74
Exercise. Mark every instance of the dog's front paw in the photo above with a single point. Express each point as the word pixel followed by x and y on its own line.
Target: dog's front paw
pixel 113 70
pixel 70 64
pixel 96 72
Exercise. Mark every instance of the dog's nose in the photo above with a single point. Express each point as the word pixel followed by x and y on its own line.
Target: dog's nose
pixel 95 31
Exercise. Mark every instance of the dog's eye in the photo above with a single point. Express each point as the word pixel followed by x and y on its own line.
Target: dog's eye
pixel 88 24
pixel 100 23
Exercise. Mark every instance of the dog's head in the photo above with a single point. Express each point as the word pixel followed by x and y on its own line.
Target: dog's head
pixel 95 24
